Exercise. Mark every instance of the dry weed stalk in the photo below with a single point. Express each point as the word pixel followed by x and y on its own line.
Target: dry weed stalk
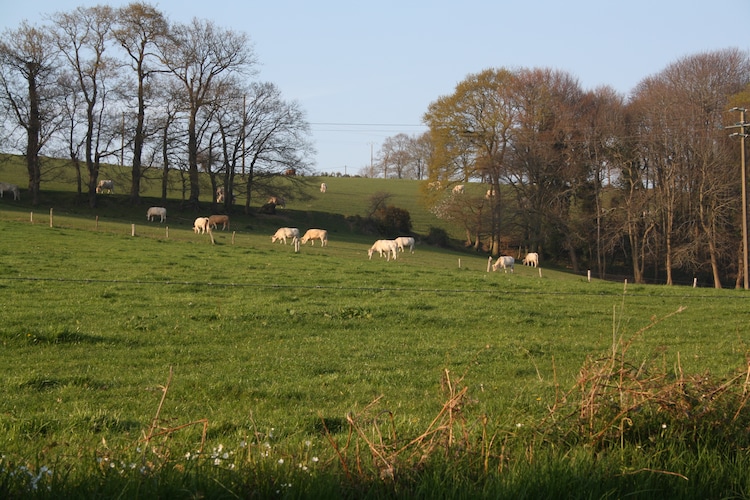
pixel 167 432
pixel 387 456
pixel 613 400
pixel 612 388
pixel 613 396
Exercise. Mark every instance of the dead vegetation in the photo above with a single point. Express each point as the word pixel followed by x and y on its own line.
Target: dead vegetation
pixel 616 401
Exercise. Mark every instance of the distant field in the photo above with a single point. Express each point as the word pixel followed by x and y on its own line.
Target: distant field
pixel 346 196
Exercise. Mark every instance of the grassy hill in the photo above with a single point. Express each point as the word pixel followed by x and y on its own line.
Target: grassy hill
pixel 306 205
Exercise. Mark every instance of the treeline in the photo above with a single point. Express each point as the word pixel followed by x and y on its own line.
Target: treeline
pixel 649 185
pixel 124 85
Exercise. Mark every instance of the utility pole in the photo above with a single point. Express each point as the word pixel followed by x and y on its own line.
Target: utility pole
pixel 741 134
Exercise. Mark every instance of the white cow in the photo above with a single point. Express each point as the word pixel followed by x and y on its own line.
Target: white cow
pixel 10 188
pixel 278 201
pixel 315 234
pixel 107 184
pixel 405 241
pixel 387 247
pixel 154 212
pixel 458 189
pixel 323 187
pixel 531 259
pixel 285 232
pixel 201 225
pixel 504 262
pixel 221 195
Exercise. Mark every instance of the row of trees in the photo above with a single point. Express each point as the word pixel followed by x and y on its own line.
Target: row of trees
pixel 652 181
pixel 100 84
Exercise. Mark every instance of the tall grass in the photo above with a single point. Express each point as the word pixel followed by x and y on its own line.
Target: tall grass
pixel 167 366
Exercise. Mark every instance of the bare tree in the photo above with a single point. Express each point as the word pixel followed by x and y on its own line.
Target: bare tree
pixel 200 55
pixel 602 124
pixel 681 113
pixel 139 28
pixel 420 152
pixel 82 36
pixel 395 154
pixel 171 140
pixel 27 75
pixel 545 168
pixel 275 137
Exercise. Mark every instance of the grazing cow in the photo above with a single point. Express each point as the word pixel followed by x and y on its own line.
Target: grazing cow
pixel 10 188
pixel 387 247
pixel 154 212
pixel 215 220
pixel 315 234
pixel 201 225
pixel 458 189
pixel 285 232
pixel 290 172
pixel 278 201
pixel 405 241
pixel 531 259
pixel 505 263
pixel 105 184
pixel 323 187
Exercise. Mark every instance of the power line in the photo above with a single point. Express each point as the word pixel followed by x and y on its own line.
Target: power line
pixel 343 124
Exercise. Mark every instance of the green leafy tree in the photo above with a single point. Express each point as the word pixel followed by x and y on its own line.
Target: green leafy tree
pixel 471 133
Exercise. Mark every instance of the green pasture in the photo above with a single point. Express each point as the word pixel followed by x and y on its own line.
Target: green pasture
pixel 306 205
pixel 323 373
pixel 271 346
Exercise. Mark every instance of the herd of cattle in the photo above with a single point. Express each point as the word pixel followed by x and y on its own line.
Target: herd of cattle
pixel 385 248
pixel 506 262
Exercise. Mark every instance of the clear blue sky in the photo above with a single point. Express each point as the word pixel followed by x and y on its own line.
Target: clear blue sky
pixel 367 71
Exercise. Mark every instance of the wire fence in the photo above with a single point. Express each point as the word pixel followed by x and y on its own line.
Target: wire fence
pixel 271 286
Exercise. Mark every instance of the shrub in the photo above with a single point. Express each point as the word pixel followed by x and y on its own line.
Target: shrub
pixel 393 220
pixel 438 237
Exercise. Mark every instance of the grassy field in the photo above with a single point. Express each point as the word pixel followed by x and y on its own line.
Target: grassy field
pixel 161 365
pixel 346 196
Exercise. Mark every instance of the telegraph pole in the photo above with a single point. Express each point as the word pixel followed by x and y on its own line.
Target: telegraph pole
pixel 741 134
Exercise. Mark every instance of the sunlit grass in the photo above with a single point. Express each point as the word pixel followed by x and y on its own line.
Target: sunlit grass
pixel 276 351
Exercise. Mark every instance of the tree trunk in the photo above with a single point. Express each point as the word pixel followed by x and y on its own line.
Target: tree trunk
pixel 32 144
pixel 193 176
